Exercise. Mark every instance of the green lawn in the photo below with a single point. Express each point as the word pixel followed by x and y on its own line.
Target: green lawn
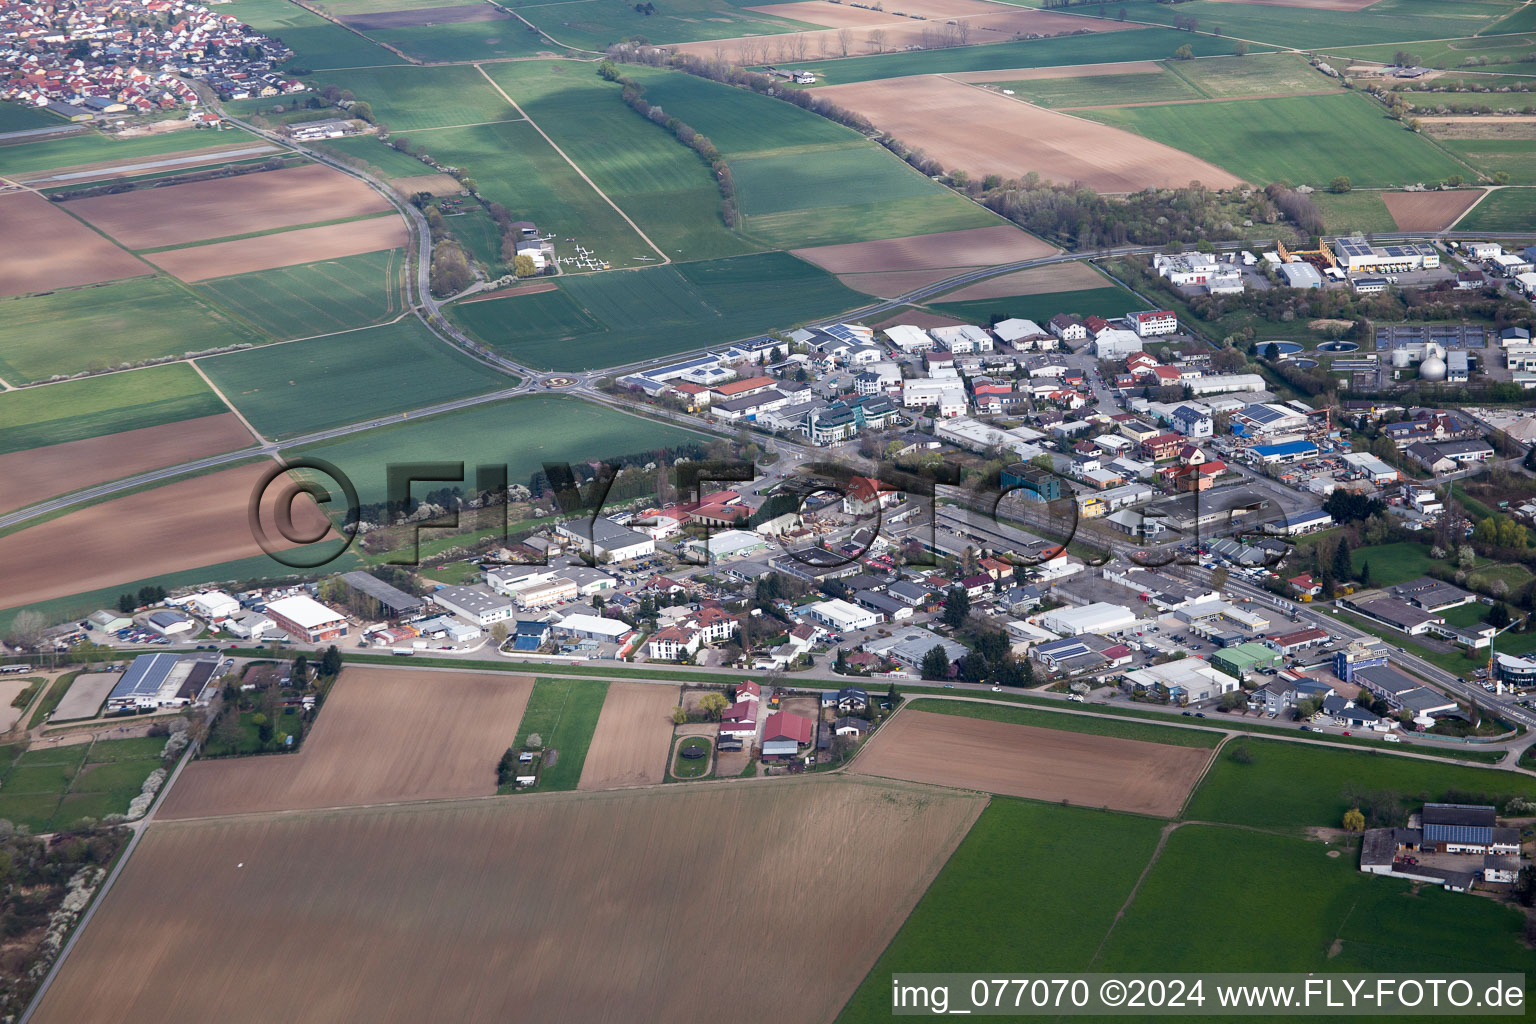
pixel 1354 211
pixel 316 298
pixel 78 409
pixel 521 433
pixel 305 386
pixel 408 98
pixel 1392 564
pixel 1384 21
pixel 563 712
pixel 388 161
pixel 1097 48
pixel 103 326
pixel 1300 139
pixel 982 913
pixel 91 147
pixel 609 319
pixel 664 186
pixel 1092 725
pixel 1514 576
pixel 1107 302
pixel 595 24
pixel 52 787
pixel 1506 209
pixel 1300 785
pixel 685 768
pixel 513 165
pixel 478 232
pixel 315 42
pixel 1515 157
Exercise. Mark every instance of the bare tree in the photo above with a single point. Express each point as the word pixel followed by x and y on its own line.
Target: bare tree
pixel 844 39
pixel 877 40
pixel 783 49
pixel 800 44
pixel 821 45
pixel 26 629
pixel 963 31
pixel 718 52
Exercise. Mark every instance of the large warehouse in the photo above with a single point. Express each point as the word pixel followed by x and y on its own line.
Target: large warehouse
pixel 306 619
pixel 1099 617
pixel 160 680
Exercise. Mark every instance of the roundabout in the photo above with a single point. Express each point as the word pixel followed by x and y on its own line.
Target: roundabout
pixel 558 382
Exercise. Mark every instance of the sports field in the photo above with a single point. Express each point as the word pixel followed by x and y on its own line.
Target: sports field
pixel 1509 209
pixel 51 788
pixel 513 165
pixel 104 326
pixel 382 735
pixel 408 98
pixel 562 713
pixel 315 42
pixel 1301 139
pixel 612 319
pixel 93 148
pixel 96 406
pixel 655 179
pixel 522 434
pixel 408 900
pixel 316 298
pixel 294 389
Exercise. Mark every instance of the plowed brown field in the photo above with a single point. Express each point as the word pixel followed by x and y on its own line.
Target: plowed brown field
pixel 43 248
pixel 633 737
pixel 1060 277
pixel 1429 211
pixel 972 247
pixel 201 521
pixel 40 473
pixel 968 128
pixel 560 907
pixel 1042 764
pixel 225 207
pixel 284 249
pixel 892 283
pixel 383 735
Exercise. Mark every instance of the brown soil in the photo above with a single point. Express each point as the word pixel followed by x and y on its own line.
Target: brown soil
pixel 558 907
pixel 42 473
pixel 1041 764
pixel 190 523
pixel 918 318
pixel 507 293
pixel 1060 277
pixel 896 282
pixel 225 207
pixel 284 249
pixel 42 248
pixel 632 738
pixel 383 735
pixel 455 15
pixel 1429 211
pixel 868 35
pixel 972 247
pixel 985 132
pixel 1130 67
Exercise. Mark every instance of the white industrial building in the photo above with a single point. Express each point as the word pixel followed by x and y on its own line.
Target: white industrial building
pixel 1115 343
pixel 1022 333
pixel 479 605
pixel 962 339
pixel 213 605
pixel 1099 617
pixel 1222 382
pixel 978 436
pixel 594 627
pixel 909 338
pixel 601 538
pixel 1356 254
pixel 1185 268
pixel 724 545
pixel 1186 681
pixel 838 614
pixel 1154 321
pixel 948 393
pixel 306 619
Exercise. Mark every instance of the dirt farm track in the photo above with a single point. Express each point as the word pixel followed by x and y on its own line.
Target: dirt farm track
pixel 1041 764
pixel 382 735
pixel 569 907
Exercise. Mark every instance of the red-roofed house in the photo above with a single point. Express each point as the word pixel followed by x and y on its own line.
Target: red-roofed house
pixel 1300 640
pixel 672 643
pixel 1163 446
pixel 787 726
pixel 1191 455
pixel 747 690
pixel 1305 584
pixel 865 494
pixel 1138 360
pixel 1200 477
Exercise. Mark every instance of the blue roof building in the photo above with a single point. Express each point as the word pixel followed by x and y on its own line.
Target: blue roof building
pixel 1290 451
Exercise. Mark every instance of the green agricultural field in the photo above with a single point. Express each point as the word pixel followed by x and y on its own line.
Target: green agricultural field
pixel 614 319
pixel 976 916
pixel 316 298
pixel 1392 564
pixel 1097 48
pixel 469 40
pixel 14 117
pixel 1385 21
pixel 92 147
pixel 386 160
pixel 51 789
pixel 1107 302
pixel 1297 785
pixel 562 713
pixel 738 121
pixel 521 433
pixel 1095 725
pixel 1263 74
pixel 77 409
pixel 480 235
pixel 596 24
pixel 294 389
pixel 866 222
pixel 1354 211
pixel 817 178
pixel 315 42
pixel 1508 209
pixel 513 165
pixel 660 183
pixel 1301 139
pixel 99 327
pixel 1502 53
pixel 1104 90
pixel 1348 921
pixel 410 98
